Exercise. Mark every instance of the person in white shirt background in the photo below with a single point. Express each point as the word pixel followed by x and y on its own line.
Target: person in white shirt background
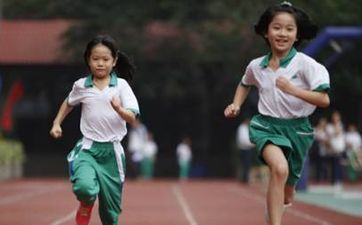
pixel 149 157
pixel 245 149
pixel 353 151
pixel 136 141
pixel 184 157
pixel 337 145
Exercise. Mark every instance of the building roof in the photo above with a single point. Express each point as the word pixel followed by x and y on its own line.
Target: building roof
pixel 31 41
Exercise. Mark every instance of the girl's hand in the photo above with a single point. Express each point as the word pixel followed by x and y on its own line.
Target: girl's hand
pixel 56 131
pixel 283 84
pixel 127 115
pixel 231 111
pixel 116 103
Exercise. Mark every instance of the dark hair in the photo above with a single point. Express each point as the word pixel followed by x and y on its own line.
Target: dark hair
pixel 124 67
pixel 306 29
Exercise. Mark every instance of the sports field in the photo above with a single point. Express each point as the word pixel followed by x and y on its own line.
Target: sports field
pixel 158 202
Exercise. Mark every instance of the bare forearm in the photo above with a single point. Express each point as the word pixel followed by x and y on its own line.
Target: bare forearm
pixel 64 110
pixel 320 99
pixel 127 115
pixel 233 109
pixel 240 95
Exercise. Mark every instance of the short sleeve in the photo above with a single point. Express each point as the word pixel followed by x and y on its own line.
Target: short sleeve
pixel 248 78
pixel 317 76
pixel 75 96
pixel 128 99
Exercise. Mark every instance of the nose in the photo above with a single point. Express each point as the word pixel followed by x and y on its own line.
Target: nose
pixel 282 32
pixel 100 63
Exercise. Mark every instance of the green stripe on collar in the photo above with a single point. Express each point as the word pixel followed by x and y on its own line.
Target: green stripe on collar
pixel 284 62
pixel 113 81
pixel 89 81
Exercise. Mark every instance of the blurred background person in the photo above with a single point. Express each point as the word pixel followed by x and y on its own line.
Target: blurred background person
pixel 184 157
pixel 245 148
pixel 149 157
pixel 321 138
pixel 337 144
pixel 136 141
pixel 353 149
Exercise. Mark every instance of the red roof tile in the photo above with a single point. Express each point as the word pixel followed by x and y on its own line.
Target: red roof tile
pixel 24 41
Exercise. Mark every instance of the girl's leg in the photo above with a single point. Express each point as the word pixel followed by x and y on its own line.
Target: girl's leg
pixel 86 188
pixel 288 194
pixel 278 165
pixel 85 185
pixel 111 170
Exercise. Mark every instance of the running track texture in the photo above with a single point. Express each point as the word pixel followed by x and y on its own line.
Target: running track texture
pixel 158 202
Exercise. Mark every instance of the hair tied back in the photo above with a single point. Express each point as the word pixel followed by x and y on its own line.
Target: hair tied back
pixel 286 4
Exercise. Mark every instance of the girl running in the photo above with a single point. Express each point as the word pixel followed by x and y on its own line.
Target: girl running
pixel 290 85
pixel 97 162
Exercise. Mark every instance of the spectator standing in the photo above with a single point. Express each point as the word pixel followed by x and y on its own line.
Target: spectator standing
pixel 353 150
pixel 184 157
pixel 337 146
pixel 149 157
pixel 136 141
pixel 245 148
pixel 321 137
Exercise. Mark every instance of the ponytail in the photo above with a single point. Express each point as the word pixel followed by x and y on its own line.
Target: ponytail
pixel 124 66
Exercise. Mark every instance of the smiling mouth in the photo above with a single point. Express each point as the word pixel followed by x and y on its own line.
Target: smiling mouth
pixel 281 41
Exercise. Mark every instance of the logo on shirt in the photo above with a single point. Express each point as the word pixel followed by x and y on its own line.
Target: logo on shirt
pixel 295 76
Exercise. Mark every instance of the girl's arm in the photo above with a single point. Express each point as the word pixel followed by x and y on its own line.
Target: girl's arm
pixel 233 109
pixel 320 99
pixel 127 115
pixel 64 110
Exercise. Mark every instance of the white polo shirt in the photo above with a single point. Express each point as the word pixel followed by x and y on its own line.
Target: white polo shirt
pixel 300 69
pixel 99 121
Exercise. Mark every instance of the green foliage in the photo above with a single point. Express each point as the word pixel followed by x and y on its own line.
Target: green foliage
pixel 11 152
pixel 197 69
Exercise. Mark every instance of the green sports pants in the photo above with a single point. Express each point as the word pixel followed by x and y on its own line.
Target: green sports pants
pixel 98 171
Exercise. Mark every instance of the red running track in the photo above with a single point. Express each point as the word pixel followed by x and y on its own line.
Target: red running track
pixel 159 202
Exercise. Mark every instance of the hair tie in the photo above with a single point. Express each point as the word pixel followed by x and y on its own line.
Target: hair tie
pixel 286 4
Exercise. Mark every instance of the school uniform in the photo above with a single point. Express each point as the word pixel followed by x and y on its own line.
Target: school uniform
pixel 184 156
pixel 283 118
pixel 97 162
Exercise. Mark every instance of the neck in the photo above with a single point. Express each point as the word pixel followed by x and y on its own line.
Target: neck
pixel 279 55
pixel 101 82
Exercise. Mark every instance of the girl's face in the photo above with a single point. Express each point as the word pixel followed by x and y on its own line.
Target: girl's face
pixel 282 33
pixel 101 61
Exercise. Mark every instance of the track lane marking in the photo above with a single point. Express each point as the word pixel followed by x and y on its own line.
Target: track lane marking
pixel 295 212
pixel 65 218
pixel 184 206
pixel 23 196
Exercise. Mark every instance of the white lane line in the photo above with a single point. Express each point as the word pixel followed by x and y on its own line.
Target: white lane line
pixel 297 213
pixel 307 217
pixel 185 207
pixel 66 218
pixel 23 196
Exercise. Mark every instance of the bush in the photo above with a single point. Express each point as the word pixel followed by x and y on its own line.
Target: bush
pixel 12 157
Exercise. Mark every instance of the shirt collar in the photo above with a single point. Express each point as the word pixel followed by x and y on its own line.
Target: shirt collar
pixel 284 62
pixel 89 81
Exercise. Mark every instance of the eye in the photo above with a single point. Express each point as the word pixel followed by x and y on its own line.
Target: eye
pixel 290 29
